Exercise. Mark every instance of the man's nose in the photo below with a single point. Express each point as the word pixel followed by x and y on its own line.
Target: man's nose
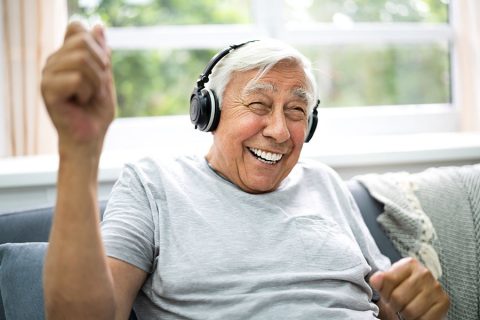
pixel 276 127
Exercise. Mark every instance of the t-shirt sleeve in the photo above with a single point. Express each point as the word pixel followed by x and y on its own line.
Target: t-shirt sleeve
pixel 128 228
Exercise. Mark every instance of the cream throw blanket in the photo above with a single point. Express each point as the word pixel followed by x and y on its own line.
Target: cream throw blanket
pixel 435 216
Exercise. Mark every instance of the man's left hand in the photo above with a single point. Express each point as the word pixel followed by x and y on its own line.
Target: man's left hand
pixel 409 289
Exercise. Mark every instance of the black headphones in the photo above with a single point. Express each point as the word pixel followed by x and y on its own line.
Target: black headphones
pixel 204 107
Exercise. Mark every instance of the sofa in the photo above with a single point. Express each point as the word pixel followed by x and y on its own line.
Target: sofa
pixel 23 242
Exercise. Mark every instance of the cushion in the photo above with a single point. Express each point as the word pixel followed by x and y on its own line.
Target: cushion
pixel 21 291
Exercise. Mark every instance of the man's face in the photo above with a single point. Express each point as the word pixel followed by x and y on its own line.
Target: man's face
pixel 262 127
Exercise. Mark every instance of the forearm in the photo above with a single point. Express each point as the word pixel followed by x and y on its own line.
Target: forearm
pixel 77 281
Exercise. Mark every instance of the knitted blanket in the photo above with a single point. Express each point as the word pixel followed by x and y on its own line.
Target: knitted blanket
pixel 435 216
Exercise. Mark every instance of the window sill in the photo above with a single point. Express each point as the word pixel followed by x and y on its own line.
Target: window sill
pixel 364 153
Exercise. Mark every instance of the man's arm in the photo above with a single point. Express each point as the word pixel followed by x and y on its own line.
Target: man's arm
pixel 409 289
pixel 80 282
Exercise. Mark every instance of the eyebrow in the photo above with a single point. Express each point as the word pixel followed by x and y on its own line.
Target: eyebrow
pixel 302 94
pixel 258 87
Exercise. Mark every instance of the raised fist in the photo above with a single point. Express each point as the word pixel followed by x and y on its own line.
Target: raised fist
pixel 78 89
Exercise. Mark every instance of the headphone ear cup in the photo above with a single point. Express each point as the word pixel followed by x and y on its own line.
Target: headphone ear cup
pixel 204 109
pixel 312 125
pixel 214 109
pixel 196 110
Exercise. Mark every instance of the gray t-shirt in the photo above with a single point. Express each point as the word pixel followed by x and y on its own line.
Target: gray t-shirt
pixel 213 251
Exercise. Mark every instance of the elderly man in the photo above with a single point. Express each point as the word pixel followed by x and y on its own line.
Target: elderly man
pixel 246 232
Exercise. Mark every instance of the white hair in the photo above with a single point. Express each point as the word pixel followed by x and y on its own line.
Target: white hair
pixel 262 55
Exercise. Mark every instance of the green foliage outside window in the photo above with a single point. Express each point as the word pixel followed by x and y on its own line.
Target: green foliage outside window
pixel 159 82
pixel 156 82
pixel 382 75
pixel 127 13
pixel 431 11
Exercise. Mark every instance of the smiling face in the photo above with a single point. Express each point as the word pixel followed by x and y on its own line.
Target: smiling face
pixel 262 127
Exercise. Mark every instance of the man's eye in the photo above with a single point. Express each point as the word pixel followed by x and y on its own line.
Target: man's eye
pixel 258 107
pixel 296 113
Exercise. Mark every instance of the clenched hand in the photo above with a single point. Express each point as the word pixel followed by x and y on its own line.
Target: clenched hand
pixel 78 90
pixel 409 289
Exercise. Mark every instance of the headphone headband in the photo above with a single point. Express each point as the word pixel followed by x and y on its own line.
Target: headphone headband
pixel 213 62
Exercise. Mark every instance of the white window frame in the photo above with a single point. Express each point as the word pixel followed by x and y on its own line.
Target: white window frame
pixel 350 121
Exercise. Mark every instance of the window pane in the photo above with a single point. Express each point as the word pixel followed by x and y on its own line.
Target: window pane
pixel 122 13
pixel 347 11
pixel 156 82
pixel 160 82
pixel 365 75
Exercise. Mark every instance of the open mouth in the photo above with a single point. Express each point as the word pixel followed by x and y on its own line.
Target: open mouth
pixel 265 157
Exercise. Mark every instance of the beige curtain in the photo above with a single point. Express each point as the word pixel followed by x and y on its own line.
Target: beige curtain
pixel 32 29
pixel 467 41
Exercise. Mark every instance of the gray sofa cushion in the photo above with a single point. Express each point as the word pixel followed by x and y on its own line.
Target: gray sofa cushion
pixel 21 289
pixel 21 266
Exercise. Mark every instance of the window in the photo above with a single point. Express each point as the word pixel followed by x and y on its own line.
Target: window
pixel 160 47
pixel 382 66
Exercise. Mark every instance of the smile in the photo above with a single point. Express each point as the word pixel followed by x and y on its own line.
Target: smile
pixel 266 157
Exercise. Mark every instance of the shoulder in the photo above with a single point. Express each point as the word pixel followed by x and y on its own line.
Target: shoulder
pixel 313 164
pixel 319 178
pixel 150 171
pixel 152 166
pixel 316 169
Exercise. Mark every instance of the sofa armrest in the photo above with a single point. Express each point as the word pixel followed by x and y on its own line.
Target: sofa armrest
pixel 26 226
pixel 29 225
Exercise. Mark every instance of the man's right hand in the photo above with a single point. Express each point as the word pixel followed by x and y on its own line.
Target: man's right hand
pixel 78 89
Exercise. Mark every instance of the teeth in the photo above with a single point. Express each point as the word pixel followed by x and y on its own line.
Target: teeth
pixel 268 156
